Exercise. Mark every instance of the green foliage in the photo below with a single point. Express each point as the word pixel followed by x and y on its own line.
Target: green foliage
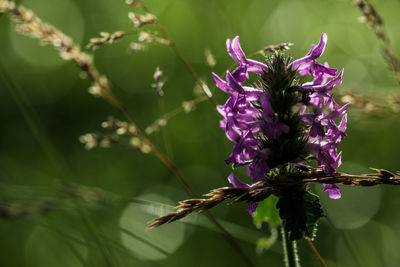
pixel 300 211
pixel 267 212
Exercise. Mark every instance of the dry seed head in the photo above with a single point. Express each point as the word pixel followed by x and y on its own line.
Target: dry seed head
pixel 159 82
pixel 95 90
pixel 136 47
pixel 105 38
pixel 6 6
pixel 211 62
pixel 201 90
pixel 188 106
pixel 133 3
pixel 135 142
pixel 122 131
pixel 106 142
pixel 110 123
pixel 139 20
pixel 157 74
pixel 146 149
pixel 278 47
pixel 29 24
pixel 394 101
pixel 147 37
pixel 90 140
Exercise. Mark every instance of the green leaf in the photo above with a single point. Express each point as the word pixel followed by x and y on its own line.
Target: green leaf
pixel 266 243
pixel 300 212
pixel 267 212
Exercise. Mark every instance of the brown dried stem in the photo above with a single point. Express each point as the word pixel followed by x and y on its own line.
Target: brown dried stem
pixel 29 24
pixel 387 105
pixel 275 185
pixel 179 54
pixel 315 251
pixel 187 106
pixel 374 20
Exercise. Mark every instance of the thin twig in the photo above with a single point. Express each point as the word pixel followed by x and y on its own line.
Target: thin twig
pixel 313 248
pixel 186 107
pixel 374 20
pixel 172 44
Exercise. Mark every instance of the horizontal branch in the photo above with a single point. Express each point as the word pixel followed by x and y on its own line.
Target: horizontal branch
pixel 275 185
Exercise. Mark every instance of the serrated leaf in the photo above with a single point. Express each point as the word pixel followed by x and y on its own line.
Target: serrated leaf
pixel 267 212
pixel 300 212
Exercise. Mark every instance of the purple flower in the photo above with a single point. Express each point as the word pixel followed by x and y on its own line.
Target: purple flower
pixel 247 65
pixel 333 191
pixel 256 130
pixel 273 128
pixel 251 206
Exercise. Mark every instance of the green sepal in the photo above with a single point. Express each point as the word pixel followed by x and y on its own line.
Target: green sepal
pixel 300 212
pixel 267 212
pixel 236 165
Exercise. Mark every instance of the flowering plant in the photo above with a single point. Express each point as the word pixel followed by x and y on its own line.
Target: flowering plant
pixel 281 121
pixel 281 117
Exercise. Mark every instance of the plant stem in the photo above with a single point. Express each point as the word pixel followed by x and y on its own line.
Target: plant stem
pixel 313 248
pixel 178 53
pixel 289 250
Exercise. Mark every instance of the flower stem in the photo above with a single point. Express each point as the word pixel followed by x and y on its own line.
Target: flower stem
pixel 178 53
pixel 323 264
pixel 289 250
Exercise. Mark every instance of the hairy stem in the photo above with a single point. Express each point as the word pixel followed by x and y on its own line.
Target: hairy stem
pixel 289 250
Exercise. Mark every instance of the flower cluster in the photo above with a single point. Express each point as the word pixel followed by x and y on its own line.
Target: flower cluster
pixel 278 120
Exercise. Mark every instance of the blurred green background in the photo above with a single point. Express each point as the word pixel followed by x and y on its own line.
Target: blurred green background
pixel 362 228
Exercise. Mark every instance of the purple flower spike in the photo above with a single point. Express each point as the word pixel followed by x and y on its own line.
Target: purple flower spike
pixel 333 191
pixel 263 138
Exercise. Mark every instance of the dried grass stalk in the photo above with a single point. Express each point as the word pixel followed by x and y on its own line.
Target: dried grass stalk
pixel 275 185
pixel 31 25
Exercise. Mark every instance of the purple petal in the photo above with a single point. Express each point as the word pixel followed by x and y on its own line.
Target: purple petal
pixel 319 49
pixel 343 123
pixel 221 84
pixel 238 50
pixel 256 67
pixel 315 52
pixel 233 84
pixel 324 88
pixel 333 191
pixel 319 69
pixel 240 74
pixel 251 207
pixel 231 52
pixel 236 182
